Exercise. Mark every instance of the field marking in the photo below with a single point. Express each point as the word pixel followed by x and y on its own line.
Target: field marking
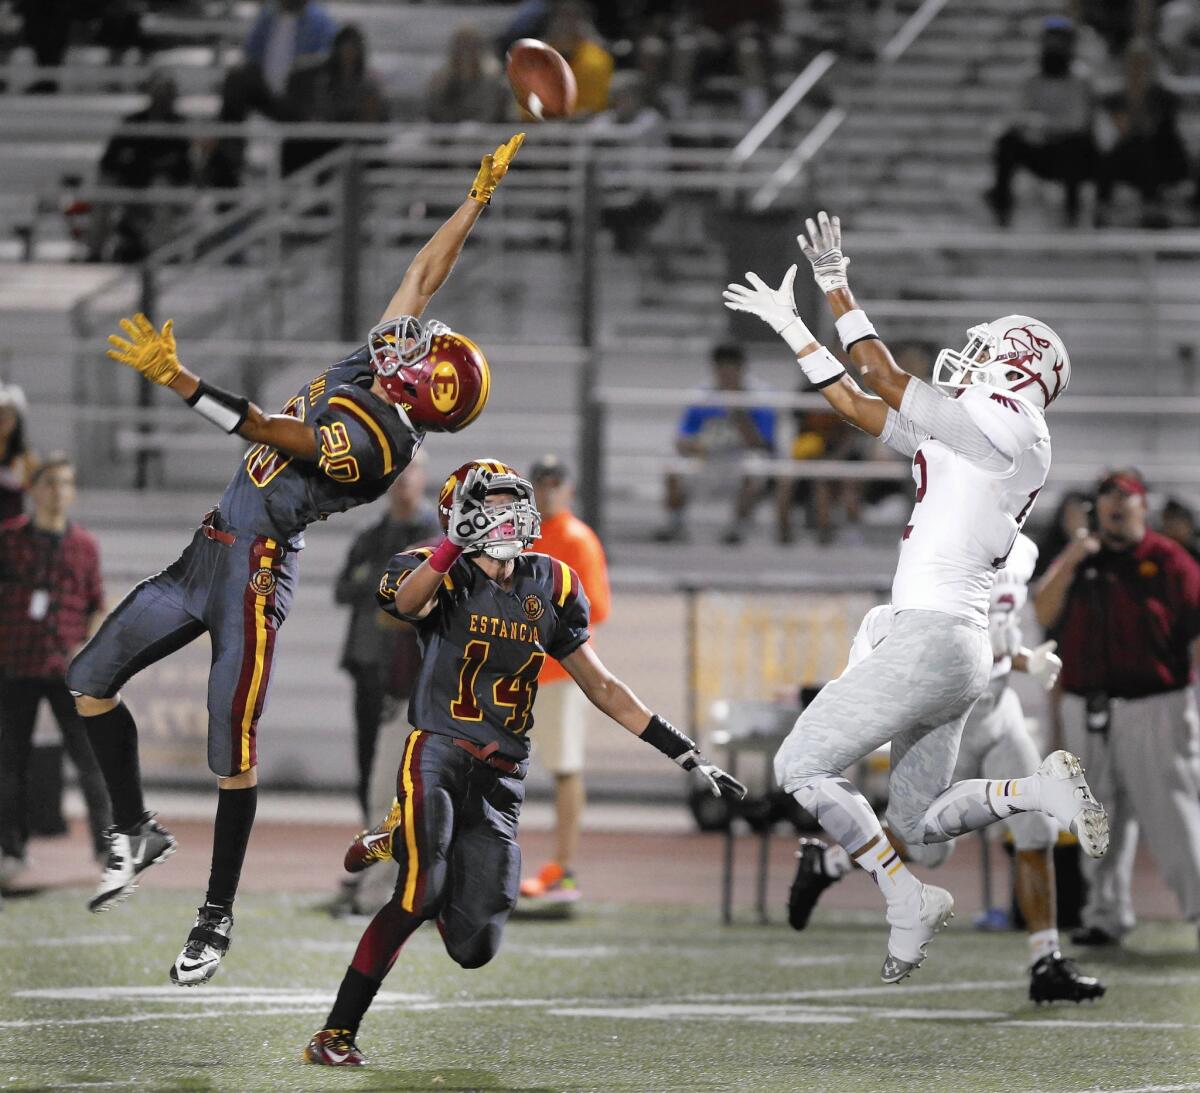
pixel 813 961
pixel 1072 1022
pixel 1143 1089
pixel 94 939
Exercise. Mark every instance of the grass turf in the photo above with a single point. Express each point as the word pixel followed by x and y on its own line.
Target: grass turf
pixel 616 999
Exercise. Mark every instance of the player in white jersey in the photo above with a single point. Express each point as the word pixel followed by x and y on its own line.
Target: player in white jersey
pixel 979 460
pixel 994 742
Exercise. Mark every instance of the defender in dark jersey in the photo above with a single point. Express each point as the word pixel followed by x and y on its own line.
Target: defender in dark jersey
pixel 487 616
pixel 340 442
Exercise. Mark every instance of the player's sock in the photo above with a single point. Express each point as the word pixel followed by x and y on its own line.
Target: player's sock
pixel 231 833
pixel 1042 943
pixel 113 736
pixel 978 802
pixel 847 816
pixel 354 998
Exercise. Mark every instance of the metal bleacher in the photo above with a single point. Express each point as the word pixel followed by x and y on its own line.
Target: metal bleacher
pixel 257 302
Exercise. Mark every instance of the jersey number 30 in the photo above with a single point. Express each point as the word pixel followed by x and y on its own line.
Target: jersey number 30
pixel 515 692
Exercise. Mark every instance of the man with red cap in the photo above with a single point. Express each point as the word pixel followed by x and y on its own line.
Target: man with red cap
pixel 1125 604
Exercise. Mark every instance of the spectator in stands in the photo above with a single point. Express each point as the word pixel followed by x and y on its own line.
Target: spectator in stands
pixel 561 705
pixel 373 640
pixel 470 85
pixel 719 438
pixel 1179 36
pixel 630 212
pixel 720 37
pixel 46 28
pixel 1179 523
pixel 570 31
pixel 51 599
pixel 16 460
pixel 127 233
pixel 1052 135
pixel 1125 603
pixel 820 435
pixel 339 89
pixel 1149 154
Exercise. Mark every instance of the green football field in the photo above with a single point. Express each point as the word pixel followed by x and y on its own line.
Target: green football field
pixel 617 999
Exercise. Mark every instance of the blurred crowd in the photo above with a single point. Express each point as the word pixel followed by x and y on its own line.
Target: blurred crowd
pixel 1103 112
pixel 637 64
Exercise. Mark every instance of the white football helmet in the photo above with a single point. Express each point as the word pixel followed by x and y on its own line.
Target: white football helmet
pixel 1017 352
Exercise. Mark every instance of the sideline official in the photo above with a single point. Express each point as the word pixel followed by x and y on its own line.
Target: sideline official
pixel 1125 604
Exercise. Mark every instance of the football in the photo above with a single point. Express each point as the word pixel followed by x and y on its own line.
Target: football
pixel 541 79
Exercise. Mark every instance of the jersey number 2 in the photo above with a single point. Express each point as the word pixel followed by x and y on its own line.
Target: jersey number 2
pixel 515 691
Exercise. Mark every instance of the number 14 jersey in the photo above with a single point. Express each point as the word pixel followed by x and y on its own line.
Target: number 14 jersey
pixel 483 645
pixel 979 462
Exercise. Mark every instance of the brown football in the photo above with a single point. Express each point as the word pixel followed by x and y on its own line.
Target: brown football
pixel 541 79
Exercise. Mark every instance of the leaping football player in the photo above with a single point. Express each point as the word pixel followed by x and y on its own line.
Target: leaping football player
pixel 487 615
pixel 979 460
pixel 994 742
pixel 340 442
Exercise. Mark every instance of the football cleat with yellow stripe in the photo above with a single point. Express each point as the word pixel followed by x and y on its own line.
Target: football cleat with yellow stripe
pixel 374 845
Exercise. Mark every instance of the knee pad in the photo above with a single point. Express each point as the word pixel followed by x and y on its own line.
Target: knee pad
pixel 795 765
pixel 474 951
pixel 929 855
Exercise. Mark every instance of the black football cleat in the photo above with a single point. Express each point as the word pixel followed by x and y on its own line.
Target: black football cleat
pixel 1094 937
pixel 334 1047
pixel 810 881
pixel 1054 978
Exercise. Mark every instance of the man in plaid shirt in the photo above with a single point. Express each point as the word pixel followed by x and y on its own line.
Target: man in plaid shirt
pixel 51 599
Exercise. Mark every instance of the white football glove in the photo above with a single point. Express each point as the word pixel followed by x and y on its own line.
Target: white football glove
pixel 823 248
pixel 717 780
pixel 1044 664
pixel 775 306
pixel 470 520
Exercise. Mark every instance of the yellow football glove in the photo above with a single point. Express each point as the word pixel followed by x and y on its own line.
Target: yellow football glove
pixel 149 351
pixel 493 168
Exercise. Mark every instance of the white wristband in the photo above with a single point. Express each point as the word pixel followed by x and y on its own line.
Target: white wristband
pixel 821 368
pixel 797 335
pixel 854 326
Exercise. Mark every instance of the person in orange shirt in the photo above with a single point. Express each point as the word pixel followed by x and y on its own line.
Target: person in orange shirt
pixel 561 705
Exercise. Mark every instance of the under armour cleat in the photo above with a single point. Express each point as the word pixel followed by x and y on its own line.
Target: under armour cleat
pixel 1067 797
pixel 375 845
pixel 811 880
pixel 129 855
pixel 553 884
pixel 205 948
pixel 1054 978
pixel 914 922
pixel 334 1047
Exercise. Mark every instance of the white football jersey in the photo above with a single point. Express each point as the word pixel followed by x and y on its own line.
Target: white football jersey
pixel 1010 593
pixel 969 509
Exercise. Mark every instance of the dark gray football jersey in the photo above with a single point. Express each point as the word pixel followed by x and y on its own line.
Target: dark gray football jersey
pixel 483 646
pixel 364 445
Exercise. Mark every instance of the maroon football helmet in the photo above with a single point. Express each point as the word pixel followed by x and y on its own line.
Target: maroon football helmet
pixel 439 378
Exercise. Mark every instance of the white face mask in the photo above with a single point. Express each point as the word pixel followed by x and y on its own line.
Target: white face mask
pixel 517 533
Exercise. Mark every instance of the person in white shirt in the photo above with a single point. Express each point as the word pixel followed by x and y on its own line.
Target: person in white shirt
pixel 979 460
pixel 996 742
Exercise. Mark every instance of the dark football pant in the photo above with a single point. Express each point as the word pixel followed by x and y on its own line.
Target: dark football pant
pixel 237 587
pixel 456 846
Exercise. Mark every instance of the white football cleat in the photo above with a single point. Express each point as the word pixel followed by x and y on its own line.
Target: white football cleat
pixel 206 947
pixel 913 923
pixel 129 855
pixel 1067 797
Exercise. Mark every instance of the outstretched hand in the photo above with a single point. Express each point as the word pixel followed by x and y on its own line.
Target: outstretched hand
pixel 492 168
pixel 146 349
pixel 822 246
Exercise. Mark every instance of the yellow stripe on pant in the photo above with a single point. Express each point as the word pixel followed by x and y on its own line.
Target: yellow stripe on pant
pixel 260 649
pixel 412 870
